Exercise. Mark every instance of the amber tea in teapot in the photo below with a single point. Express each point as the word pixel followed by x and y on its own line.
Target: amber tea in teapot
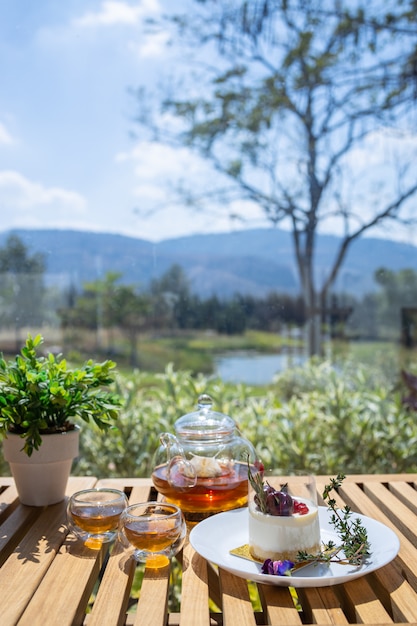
pixel 203 468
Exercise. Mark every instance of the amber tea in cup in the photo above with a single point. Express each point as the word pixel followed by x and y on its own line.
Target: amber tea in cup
pixel 155 530
pixel 93 514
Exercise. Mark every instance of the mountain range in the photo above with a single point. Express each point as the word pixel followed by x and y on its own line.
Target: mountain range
pixel 254 262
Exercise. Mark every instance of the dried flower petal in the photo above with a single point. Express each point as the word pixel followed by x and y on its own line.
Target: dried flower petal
pixel 277 568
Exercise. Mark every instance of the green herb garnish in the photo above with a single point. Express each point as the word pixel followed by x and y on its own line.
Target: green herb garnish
pixel 353 535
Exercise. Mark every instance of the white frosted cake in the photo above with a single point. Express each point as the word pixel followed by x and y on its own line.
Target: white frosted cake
pixel 279 537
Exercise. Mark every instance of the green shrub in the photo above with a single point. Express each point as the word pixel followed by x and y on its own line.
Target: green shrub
pixel 150 407
pixel 348 419
pixel 332 420
pixel 41 394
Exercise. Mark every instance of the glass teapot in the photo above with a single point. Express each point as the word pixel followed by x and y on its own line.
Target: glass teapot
pixel 203 468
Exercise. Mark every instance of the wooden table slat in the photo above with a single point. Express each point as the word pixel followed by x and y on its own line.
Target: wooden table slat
pixel 125 483
pixel 14 529
pixel 195 593
pixel 23 571
pixel 63 595
pixel 364 603
pixel 47 577
pixel 394 509
pixel 112 598
pixel 361 503
pixel 321 605
pixel 406 493
pixel 237 607
pixel 215 594
pixel 278 605
pixel 139 493
pixel 8 496
pixel 153 599
pixel 78 483
pixel 395 593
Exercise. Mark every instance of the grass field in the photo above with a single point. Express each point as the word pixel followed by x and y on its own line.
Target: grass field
pixel 195 351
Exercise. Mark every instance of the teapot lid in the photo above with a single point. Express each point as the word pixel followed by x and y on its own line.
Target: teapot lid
pixel 204 421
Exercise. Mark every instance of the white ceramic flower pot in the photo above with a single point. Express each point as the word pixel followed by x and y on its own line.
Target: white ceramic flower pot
pixel 41 478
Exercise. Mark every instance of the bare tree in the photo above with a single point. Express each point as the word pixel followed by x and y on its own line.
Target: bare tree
pixel 285 98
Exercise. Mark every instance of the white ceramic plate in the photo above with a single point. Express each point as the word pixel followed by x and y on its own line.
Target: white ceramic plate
pixel 216 536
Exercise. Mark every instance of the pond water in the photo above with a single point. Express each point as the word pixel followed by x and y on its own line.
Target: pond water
pixel 253 368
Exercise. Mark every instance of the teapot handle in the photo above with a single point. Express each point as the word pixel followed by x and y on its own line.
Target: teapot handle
pixel 180 473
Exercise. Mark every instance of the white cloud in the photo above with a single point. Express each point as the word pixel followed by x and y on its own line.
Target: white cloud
pixel 113 15
pixel 150 46
pixel 245 211
pixel 22 198
pixel 113 12
pixel 157 170
pixel 162 163
pixel 5 136
pixel 383 147
pixel 150 192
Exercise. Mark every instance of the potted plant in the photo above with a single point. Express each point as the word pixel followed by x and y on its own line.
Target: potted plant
pixel 40 399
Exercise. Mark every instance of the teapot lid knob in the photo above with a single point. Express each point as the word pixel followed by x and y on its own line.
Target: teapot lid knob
pixel 204 401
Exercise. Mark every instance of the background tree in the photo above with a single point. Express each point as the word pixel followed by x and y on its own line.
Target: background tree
pixel 107 305
pixel 132 309
pixel 102 296
pixel 398 292
pixel 85 310
pixel 285 98
pixel 173 302
pixel 21 286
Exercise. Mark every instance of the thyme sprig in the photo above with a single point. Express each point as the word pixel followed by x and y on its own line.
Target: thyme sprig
pixel 354 542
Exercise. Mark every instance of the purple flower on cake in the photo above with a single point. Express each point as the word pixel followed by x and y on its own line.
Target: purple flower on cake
pixel 277 568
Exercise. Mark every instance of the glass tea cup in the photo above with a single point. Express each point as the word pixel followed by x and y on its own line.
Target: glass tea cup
pixel 155 530
pixel 93 515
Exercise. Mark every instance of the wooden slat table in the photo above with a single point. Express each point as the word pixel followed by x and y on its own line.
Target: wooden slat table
pixel 47 578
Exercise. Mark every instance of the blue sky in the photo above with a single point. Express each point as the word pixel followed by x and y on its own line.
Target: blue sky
pixel 67 157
